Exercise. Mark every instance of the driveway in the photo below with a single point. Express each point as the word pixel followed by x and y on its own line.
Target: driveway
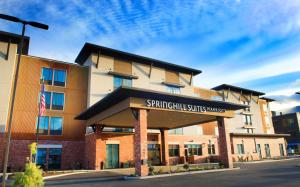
pixel 282 173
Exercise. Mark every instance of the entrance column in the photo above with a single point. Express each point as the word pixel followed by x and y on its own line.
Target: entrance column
pixel 140 142
pixel 224 142
pixel 164 146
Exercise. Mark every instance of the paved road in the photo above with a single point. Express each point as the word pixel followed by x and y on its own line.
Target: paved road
pixel 283 173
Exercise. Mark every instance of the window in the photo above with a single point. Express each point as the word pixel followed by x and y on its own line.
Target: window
pixel 58 100
pixel 54 158
pixel 48 99
pixel 246 103
pixel 211 149
pixel 216 98
pixel 176 131
pixel 281 149
pixel 56 126
pixel 173 150
pixel 47 75
pixel 119 81
pixel 267 150
pixel 173 89
pixel 53 155
pixel 193 149
pixel 44 125
pixel 250 131
pixel 247 119
pixel 240 148
pixel 59 78
pixel 41 156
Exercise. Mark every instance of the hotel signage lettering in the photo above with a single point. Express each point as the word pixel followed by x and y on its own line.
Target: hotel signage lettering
pixel 181 106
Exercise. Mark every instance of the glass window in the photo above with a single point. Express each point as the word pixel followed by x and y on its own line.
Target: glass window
pixel 56 126
pixel 217 98
pixel 47 75
pixel 59 77
pixel 247 119
pixel 211 149
pixel 193 149
pixel 58 101
pixel 43 126
pixel 240 148
pixel 48 99
pixel 41 156
pixel 54 161
pixel 119 81
pixel 176 131
pixel 173 150
pixel 173 89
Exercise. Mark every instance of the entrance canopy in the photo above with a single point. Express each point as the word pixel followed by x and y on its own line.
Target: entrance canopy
pixel 165 111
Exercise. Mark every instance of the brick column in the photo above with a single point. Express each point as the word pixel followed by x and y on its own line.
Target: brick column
pixel 140 142
pixel 164 147
pixel 224 142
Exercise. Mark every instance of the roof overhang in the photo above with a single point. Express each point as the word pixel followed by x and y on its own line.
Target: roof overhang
pixel 237 89
pixel 164 110
pixel 16 39
pixel 258 135
pixel 89 48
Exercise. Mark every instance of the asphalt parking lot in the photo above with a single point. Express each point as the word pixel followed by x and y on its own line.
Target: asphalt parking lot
pixel 281 173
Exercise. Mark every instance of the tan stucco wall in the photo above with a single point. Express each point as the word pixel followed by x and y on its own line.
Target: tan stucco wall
pixel 236 124
pixel 6 79
pixel 101 83
pixel 249 147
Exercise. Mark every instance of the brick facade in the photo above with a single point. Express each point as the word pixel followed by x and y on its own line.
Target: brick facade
pixel 224 143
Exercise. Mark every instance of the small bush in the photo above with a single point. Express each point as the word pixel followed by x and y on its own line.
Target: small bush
pixel 151 170
pixel 32 177
pixel 186 167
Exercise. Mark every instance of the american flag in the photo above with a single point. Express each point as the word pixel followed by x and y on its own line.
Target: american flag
pixel 43 101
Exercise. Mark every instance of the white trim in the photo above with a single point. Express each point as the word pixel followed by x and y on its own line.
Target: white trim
pixel 173 143
pixel 49 146
pixel 194 143
pixel 112 142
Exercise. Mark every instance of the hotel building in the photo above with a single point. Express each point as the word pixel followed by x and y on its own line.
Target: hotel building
pixel 113 109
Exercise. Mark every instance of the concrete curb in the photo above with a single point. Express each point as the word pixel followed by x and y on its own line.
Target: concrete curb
pixel 66 174
pixel 266 161
pixel 178 174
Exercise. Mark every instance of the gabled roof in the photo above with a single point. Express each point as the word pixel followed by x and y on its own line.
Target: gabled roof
pixel 16 39
pixel 237 89
pixel 89 48
pixel 268 99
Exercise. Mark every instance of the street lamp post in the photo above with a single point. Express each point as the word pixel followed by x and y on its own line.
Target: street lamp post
pixel 20 50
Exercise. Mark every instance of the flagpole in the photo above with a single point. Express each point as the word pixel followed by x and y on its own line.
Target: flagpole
pixel 38 121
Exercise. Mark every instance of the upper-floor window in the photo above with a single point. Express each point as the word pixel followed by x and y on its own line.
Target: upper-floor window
pixel 55 127
pixel 216 98
pixel 246 103
pixel 120 81
pixel 176 131
pixel 173 89
pixel 55 77
pixel 247 119
pixel 58 100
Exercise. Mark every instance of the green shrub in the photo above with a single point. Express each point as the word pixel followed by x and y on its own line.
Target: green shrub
pixel 186 167
pixel 32 177
pixel 151 170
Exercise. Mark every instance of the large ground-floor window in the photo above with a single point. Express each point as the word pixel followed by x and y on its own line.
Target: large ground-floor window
pixel 173 150
pixel 49 158
pixel 154 153
pixel 193 149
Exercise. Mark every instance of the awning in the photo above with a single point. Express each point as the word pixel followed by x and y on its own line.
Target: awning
pixel 164 110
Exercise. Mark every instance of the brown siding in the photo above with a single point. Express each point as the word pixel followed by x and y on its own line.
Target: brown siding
pixel 209 128
pixel 264 124
pixel 206 94
pixel 26 103
pixel 122 66
pixel 172 77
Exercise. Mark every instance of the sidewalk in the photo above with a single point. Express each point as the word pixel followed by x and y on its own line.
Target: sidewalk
pixel 271 160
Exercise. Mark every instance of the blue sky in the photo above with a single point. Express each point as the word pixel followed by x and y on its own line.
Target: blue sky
pixel 248 43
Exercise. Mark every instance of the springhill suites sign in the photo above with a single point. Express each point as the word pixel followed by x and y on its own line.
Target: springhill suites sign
pixel 181 106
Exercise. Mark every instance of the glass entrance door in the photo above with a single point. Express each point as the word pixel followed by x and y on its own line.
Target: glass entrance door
pixel 281 149
pixel 112 156
pixel 154 154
